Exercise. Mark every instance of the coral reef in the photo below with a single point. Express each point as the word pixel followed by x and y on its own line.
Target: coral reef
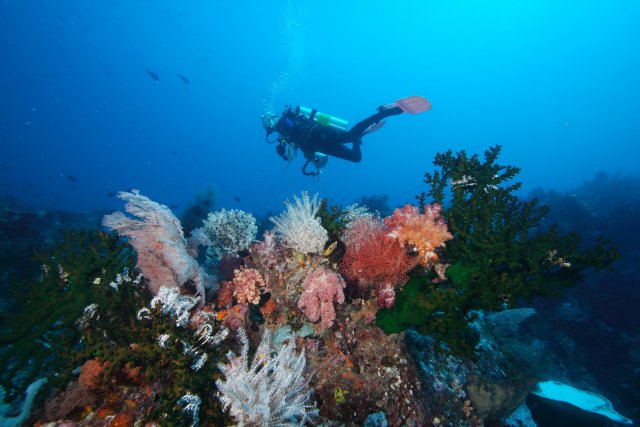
pixel 341 316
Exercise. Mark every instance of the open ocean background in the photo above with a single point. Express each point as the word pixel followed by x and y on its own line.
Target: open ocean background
pixel 555 83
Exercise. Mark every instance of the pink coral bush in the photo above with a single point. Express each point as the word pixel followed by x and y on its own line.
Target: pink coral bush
pixel 246 284
pixel 424 232
pixel 373 257
pixel 267 254
pixel 322 287
pixel 156 234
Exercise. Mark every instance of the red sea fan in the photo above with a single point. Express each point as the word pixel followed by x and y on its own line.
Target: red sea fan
pixel 373 257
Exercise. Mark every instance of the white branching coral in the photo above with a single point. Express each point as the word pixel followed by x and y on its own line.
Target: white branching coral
pixel 299 227
pixel 272 390
pixel 230 231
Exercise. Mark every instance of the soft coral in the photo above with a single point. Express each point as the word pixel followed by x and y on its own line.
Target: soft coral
pixel 425 232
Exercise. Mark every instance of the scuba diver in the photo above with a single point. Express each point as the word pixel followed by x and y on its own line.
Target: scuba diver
pixel 320 135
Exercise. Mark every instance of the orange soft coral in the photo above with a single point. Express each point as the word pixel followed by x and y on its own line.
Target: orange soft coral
pixel 246 284
pixel 424 232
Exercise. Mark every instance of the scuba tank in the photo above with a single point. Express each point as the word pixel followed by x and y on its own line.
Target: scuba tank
pixel 322 118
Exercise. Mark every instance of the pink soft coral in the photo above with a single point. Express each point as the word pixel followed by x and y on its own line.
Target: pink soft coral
pixel 374 257
pixel 322 287
pixel 246 284
pixel 267 253
pixel 425 232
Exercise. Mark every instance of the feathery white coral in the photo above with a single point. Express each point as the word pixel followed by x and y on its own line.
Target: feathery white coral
pixel 191 407
pixel 299 227
pixel 230 230
pixel 173 304
pixel 272 390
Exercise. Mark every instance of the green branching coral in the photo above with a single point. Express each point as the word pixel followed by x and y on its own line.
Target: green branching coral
pixel 40 336
pixel 499 253
pixel 332 218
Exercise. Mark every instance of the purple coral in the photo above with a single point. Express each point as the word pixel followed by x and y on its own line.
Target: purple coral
pixel 322 287
pixel 267 253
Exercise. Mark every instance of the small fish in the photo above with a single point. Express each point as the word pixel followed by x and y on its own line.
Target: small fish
pixel 72 178
pixel 154 76
pixel 173 206
pixel 111 194
pixel 184 79
pixel 237 199
pixel 330 249
pixel 174 152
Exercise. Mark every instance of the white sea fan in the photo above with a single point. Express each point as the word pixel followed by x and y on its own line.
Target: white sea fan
pixel 299 227
pixel 230 231
pixel 272 390
pixel 161 247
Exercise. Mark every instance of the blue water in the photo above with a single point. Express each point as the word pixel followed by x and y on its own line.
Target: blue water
pixel 555 83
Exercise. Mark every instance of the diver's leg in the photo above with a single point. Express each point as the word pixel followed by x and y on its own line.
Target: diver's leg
pixel 341 151
pixel 359 128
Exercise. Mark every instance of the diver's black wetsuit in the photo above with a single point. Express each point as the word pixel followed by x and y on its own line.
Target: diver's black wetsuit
pixel 312 137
